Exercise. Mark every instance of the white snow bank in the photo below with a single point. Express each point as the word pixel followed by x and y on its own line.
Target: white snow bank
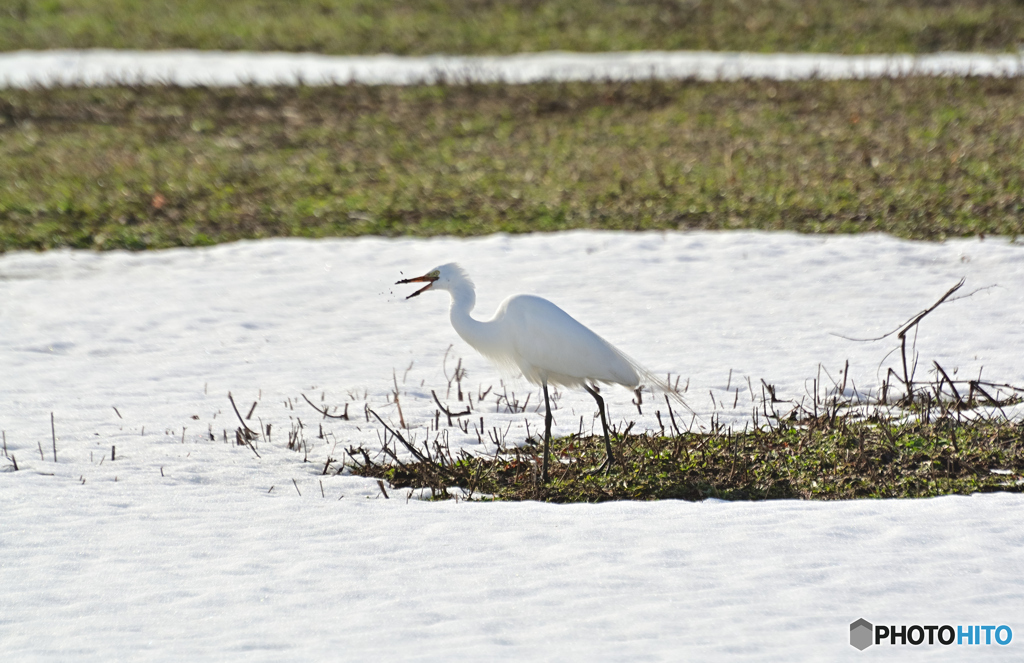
pixel 216 68
pixel 149 572
pixel 185 547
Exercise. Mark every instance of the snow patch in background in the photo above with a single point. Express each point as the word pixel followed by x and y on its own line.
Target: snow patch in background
pixel 221 68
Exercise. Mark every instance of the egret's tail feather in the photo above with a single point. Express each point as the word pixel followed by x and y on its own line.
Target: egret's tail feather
pixel 651 380
pixel 670 391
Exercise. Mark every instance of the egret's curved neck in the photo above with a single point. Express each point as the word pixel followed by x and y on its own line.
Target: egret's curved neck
pixel 482 335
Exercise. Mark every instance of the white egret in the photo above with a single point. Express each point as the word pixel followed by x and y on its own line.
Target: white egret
pixel 546 344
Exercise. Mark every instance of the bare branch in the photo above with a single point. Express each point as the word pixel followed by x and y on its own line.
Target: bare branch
pixel 448 412
pixel 902 330
pixel 415 452
pixel 324 412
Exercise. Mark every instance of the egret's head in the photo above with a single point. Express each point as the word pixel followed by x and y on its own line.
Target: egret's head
pixel 445 277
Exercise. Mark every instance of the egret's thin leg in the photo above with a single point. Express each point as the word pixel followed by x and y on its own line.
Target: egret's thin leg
pixel 547 433
pixel 609 459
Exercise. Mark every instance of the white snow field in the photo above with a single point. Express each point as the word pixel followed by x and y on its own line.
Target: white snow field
pixel 184 547
pixel 229 68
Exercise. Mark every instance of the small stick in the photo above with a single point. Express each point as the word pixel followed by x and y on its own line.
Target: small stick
pixel 380 484
pixel 999 386
pixel 917 318
pixel 401 419
pixel 906 376
pixel 251 410
pixel 295 483
pixel 5 444
pixel 413 450
pixel 902 330
pixel 672 415
pixel 244 425
pixel 977 385
pixel 447 412
pixel 956 393
pixel 113 454
pixel 118 413
pixel 322 494
pixel 994 401
pixel 15 461
pixel 53 435
pixel 324 412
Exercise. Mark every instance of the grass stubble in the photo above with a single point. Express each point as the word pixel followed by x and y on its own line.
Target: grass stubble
pixel 944 436
pixel 138 168
pixel 843 454
pixel 424 27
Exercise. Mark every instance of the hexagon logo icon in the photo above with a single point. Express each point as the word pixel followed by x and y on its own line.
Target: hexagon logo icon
pixel 860 634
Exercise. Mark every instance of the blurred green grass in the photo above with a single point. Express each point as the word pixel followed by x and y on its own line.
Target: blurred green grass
pixel 142 168
pixel 416 27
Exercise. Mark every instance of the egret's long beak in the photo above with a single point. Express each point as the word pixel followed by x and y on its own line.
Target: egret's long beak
pixel 419 279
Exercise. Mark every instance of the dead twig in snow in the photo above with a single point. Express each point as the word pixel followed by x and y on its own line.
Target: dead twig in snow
pixel 324 411
pixel 398 436
pixel 448 413
pixel 249 431
pixel 912 323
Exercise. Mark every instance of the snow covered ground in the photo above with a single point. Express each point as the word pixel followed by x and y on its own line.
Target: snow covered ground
pixel 222 68
pixel 183 546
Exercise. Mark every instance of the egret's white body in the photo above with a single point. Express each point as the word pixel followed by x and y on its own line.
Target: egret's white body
pixel 531 335
pixel 543 342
